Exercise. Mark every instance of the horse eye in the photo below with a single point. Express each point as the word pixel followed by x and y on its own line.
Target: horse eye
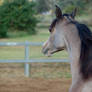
pixel 50 29
pixel 53 25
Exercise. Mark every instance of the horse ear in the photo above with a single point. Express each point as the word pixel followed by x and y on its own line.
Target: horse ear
pixel 73 14
pixel 58 12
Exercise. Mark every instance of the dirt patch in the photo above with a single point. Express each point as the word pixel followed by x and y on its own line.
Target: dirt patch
pixel 34 85
pixel 37 70
pixel 44 77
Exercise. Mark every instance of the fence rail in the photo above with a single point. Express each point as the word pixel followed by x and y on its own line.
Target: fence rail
pixel 26 61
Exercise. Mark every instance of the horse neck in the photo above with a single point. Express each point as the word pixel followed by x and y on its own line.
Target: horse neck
pixel 73 45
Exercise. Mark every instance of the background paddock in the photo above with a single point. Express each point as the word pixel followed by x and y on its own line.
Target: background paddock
pixel 45 77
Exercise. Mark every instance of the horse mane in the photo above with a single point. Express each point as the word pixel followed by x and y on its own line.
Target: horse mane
pixel 85 35
pixel 86 50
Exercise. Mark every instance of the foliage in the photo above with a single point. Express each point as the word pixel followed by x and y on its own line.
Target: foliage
pixel 66 5
pixel 69 5
pixel 3 31
pixel 43 5
pixel 17 14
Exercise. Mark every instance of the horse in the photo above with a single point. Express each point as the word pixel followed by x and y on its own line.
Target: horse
pixel 66 33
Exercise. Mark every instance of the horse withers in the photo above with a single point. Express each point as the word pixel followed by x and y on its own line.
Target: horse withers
pixel 76 38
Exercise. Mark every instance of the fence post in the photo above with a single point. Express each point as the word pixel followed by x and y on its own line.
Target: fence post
pixel 26 66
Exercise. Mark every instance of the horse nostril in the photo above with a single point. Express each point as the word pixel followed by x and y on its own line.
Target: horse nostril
pixel 45 50
pixel 45 47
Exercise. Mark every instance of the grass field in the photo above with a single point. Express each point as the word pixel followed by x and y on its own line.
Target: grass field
pixel 18 52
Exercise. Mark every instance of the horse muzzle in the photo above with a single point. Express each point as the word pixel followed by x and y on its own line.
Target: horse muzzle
pixel 48 52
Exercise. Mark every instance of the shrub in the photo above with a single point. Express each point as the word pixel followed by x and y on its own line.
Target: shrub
pixel 69 8
pixel 18 14
pixel 3 31
pixel 69 5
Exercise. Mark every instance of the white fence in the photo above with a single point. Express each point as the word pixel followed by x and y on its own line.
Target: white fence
pixel 26 61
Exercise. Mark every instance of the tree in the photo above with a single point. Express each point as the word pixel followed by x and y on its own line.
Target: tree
pixel 18 14
pixel 43 5
pixel 68 5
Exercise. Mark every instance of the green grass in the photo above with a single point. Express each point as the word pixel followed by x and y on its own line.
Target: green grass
pixel 38 70
pixel 35 51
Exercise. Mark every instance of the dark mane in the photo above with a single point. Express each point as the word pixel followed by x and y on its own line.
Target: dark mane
pixel 85 35
pixel 86 50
